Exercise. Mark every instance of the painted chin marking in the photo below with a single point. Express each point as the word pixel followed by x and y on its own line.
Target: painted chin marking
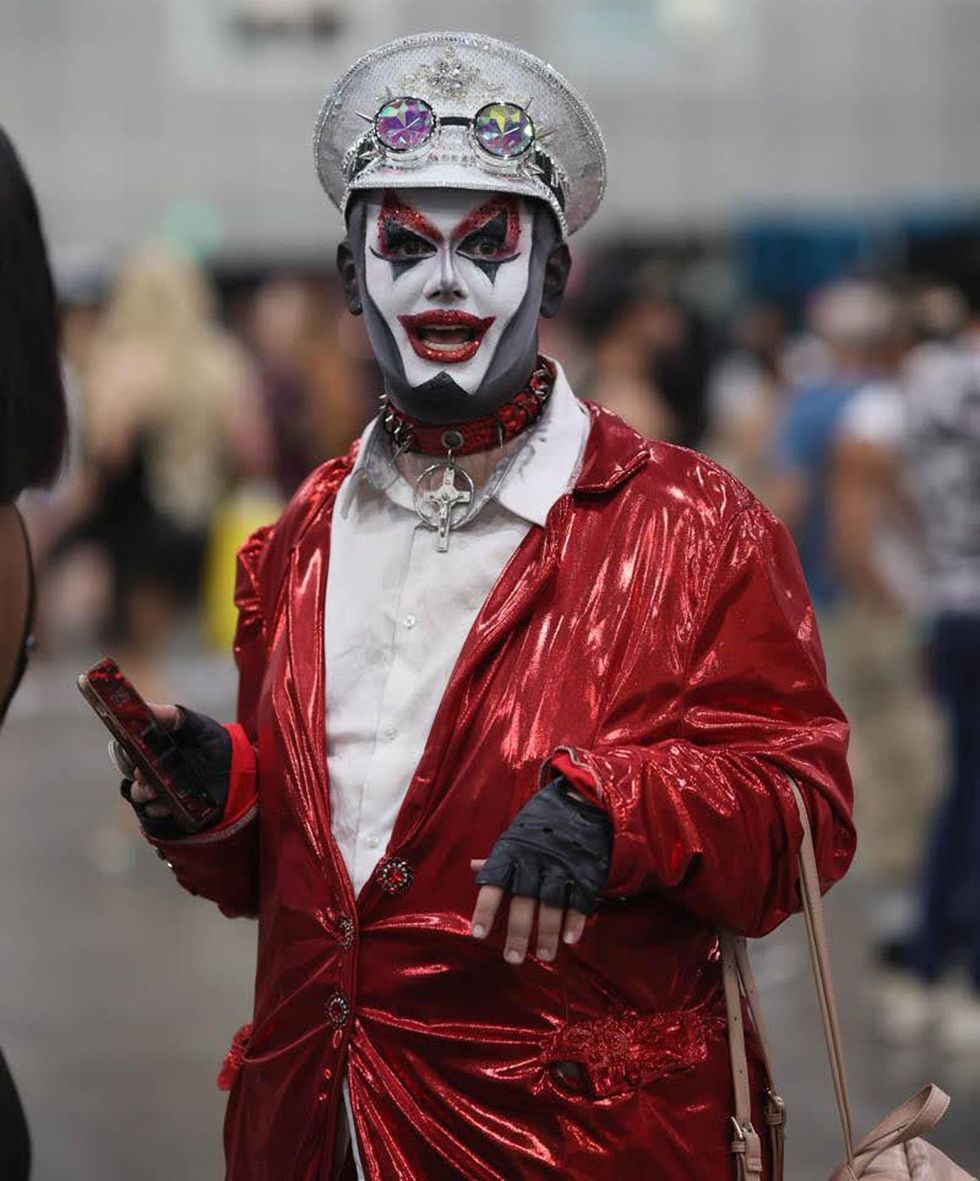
pixel 445 336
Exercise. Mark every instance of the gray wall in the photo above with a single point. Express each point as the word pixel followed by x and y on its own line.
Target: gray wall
pixel 710 107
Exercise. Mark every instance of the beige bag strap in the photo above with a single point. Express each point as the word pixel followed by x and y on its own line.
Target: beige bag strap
pixel 746 1144
pixel 775 1108
pixel 738 978
pixel 918 1115
pixel 737 972
pixel 816 934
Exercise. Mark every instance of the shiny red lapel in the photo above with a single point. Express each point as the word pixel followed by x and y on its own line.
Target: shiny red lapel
pixel 614 452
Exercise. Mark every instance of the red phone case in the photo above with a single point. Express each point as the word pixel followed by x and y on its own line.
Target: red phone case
pixel 148 745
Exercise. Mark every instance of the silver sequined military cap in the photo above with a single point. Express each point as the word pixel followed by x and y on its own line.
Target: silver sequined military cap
pixel 460 110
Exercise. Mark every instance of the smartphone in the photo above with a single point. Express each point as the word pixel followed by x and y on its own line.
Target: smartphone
pixel 148 745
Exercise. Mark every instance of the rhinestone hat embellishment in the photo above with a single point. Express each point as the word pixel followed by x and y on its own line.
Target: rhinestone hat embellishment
pixel 447 77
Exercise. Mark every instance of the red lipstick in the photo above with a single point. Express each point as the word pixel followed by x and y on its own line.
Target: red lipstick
pixel 447 336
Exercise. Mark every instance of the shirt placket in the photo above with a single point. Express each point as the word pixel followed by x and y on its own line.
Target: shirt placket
pixel 389 772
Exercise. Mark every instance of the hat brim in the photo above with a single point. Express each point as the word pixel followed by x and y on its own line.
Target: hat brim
pixel 448 175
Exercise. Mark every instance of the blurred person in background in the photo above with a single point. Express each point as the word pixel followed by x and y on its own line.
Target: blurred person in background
pixel 170 417
pixel 625 330
pixel 747 394
pixel 344 375
pixel 854 321
pixel 875 546
pixel 33 431
pixel 682 353
pixel 308 384
pixel 942 388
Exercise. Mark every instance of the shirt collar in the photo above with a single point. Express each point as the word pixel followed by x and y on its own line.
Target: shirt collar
pixel 541 470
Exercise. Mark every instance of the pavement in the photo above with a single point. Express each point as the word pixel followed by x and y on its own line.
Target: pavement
pixel 119 993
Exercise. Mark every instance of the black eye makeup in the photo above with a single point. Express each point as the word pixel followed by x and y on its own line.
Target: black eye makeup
pixel 401 247
pixel 491 245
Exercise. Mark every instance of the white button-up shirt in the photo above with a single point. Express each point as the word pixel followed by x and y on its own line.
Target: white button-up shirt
pixel 398 611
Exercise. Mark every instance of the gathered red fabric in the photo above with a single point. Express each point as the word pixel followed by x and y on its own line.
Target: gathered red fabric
pixel 232 1063
pixel 656 642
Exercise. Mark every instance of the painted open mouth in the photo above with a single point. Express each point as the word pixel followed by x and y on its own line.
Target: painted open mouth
pixel 445 336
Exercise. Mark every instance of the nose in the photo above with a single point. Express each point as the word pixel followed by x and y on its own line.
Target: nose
pixel 445 282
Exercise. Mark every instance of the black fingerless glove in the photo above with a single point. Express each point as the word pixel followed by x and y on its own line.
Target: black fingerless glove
pixel 557 849
pixel 206 745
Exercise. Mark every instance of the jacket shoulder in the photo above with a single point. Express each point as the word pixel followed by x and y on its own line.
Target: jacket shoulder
pixel 691 479
pixel 671 478
pixel 315 495
pixel 266 551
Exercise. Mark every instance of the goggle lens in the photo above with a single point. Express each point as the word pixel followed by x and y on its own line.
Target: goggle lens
pixel 405 124
pixel 503 130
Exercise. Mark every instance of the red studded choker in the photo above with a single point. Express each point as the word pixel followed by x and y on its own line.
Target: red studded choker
pixel 466 438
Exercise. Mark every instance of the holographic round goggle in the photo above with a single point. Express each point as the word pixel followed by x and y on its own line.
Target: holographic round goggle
pixel 408 127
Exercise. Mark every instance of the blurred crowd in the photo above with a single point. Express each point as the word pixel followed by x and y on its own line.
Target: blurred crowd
pixel 197 409
pixel 199 401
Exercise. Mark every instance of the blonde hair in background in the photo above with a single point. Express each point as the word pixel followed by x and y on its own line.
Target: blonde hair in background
pixel 165 373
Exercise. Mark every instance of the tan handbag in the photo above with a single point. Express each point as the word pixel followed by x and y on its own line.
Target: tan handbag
pixel 893 1150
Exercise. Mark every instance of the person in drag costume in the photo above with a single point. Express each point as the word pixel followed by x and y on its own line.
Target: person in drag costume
pixel 521 693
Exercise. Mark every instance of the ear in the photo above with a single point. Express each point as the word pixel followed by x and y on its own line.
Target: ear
pixel 348 276
pixel 556 271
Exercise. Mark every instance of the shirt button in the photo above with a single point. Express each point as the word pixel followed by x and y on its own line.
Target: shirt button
pixel 409 621
pixel 372 842
pixel 389 732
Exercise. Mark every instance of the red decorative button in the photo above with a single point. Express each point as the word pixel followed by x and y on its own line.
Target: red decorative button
pixel 394 875
pixel 338 1009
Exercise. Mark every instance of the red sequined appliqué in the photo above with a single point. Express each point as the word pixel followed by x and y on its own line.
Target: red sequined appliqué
pixel 234 1058
pixel 624 1052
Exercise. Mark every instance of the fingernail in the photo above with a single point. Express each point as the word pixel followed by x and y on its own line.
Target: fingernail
pixel 570 936
pixel 545 953
pixel 512 955
pixel 479 930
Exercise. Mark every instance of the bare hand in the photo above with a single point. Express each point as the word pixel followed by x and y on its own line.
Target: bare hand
pixel 169 717
pixel 551 921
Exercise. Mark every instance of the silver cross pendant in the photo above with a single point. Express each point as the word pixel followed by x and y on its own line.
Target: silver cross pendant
pixel 444 506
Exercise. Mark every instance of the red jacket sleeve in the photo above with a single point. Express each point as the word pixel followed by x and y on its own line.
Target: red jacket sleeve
pixel 222 862
pixel 709 817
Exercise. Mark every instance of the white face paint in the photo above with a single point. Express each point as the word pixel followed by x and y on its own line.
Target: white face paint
pixel 447 270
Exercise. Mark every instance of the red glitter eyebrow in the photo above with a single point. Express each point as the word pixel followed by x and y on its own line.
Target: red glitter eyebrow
pixel 394 209
pixel 500 204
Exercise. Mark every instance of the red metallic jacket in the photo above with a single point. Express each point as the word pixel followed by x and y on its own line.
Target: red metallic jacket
pixel 658 632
